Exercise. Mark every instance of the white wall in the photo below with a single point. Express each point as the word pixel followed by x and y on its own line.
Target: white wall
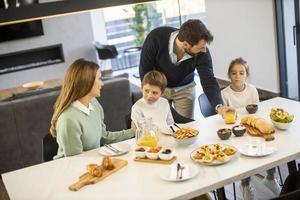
pixel 74 32
pixel 245 28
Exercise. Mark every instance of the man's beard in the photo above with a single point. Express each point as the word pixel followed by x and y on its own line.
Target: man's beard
pixel 190 53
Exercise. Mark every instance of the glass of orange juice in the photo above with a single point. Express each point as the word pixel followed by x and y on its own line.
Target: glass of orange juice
pixel 230 117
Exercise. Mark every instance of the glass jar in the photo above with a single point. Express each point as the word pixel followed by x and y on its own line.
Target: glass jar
pixel 146 133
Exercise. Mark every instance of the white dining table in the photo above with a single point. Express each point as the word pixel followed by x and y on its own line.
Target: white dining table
pixel 137 180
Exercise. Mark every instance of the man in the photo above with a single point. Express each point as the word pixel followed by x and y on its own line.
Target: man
pixel 177 53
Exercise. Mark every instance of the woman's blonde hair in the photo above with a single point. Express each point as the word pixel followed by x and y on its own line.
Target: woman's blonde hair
pixel 78 82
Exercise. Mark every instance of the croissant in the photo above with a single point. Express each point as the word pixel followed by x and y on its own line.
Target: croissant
pixel 107 164
pixel 94 170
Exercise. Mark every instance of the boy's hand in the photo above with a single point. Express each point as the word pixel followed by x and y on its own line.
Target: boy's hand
pixel 222 110
pixel 133 126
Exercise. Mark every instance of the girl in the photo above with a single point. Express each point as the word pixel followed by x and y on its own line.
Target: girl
pixel 77 122
pixel 239 94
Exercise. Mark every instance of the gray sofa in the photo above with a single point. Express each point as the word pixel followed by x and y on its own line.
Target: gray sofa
pixel 25 120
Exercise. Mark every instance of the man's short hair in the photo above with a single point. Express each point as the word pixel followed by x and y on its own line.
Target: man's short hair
pixel 155 78
pixel 192 31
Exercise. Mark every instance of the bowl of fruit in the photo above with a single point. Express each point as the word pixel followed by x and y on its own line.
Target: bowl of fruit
pixel 281 118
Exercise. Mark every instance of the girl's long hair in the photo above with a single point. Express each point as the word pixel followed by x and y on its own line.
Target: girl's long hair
pixel 78 82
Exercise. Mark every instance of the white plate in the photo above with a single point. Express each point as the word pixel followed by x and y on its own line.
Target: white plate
pixel 166 131
pixel 169 173
pixel 123 147
pixel 214 162
pixel 257 150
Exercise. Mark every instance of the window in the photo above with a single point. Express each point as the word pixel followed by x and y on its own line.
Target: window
pixel 127 26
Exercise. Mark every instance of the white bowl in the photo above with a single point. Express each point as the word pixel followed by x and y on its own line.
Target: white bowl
pixel 140 154
pixel 282 126
pixel 33 85
pixel 186 141
pixel 153 156
pixel 165 156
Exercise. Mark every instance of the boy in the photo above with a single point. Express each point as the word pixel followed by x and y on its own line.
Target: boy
pixel 152 104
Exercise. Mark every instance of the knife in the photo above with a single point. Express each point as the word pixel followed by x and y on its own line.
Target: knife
pixel 177 172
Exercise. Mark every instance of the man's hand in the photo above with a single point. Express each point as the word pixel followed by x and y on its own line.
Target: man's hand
pixel 222 110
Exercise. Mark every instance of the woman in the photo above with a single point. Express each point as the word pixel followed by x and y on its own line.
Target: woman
pixel 77 122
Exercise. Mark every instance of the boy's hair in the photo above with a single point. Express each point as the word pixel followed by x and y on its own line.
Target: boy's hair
pixel 192 31
pixel 240 61
pixel 155 78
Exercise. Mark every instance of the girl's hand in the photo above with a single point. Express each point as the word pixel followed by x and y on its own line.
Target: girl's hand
pixel 222 110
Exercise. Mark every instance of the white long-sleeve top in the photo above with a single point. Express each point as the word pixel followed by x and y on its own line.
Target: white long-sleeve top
pixel 240 99
pixel 159 111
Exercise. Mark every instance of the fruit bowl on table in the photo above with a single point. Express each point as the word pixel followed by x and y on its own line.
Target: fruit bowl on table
pixel 281 119
pixel 282 126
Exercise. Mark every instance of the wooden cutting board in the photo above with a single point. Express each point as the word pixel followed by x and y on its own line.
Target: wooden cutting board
pixel 87 179
pixel 255 132
pixel 147 160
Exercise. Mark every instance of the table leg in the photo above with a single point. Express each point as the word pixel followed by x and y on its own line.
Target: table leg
pixel 221 194
pixel 292 166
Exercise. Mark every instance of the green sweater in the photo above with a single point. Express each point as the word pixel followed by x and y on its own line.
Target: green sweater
pixel 78 132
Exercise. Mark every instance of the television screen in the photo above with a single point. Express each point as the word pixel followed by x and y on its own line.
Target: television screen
pixel 20 30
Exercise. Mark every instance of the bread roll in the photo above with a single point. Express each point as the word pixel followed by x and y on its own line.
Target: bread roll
pixel 107 164
pixel 94 170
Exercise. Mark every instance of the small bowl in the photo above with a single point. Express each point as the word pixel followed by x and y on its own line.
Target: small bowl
pixel 140 152
pixel 33 85
pixel 166 154
pixel 152 153
pixel 252 108
pixel 224 133
pixel 282 126
pixel 238 130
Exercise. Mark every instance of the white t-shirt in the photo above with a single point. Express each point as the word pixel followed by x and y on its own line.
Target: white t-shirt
pixel 240 99
pixel 159 111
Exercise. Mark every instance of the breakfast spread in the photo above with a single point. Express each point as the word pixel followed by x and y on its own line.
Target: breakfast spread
pixel 213 154
pixel 185 133
pixel 258 127
pixel 96 172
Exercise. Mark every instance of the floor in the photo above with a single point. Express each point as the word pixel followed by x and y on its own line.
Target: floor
pixel 262 192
